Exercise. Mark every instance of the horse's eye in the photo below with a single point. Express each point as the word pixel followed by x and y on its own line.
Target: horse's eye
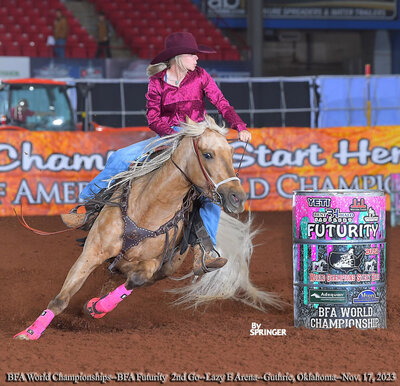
pixel 207 155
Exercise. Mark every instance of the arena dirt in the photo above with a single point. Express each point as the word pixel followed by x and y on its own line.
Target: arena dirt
pixel 147 334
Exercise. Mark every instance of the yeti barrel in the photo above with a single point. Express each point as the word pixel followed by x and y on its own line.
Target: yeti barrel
pixel 339 259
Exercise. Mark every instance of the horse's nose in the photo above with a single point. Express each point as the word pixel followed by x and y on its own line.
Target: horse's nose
pixel 236 200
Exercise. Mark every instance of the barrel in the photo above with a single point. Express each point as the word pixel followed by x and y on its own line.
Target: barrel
pixel 339 259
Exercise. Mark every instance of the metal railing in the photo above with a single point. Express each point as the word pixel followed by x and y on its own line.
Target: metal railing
pixel 262 102
pixel 247 103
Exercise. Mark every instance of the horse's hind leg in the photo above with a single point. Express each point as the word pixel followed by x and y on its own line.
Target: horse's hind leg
pixel 138 275
pixel 77 275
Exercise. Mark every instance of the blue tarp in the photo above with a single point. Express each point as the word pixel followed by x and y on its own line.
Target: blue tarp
pixel 343 100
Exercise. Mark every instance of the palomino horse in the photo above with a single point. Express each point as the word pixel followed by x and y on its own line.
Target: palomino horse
pixel 198 155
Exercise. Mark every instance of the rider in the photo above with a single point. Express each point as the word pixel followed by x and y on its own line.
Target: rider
pixel 176 90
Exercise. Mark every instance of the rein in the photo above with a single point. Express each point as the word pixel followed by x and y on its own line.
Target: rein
pixel 213 187
pixel 23 222
pixel 241 159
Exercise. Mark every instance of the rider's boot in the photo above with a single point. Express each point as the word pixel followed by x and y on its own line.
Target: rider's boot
pixel 74 220
pixel 204 261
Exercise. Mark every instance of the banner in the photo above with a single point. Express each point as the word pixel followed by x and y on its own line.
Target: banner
pixel 307 9
pixel 331 9
pixel 46 171
pixel 56 68
pixel 13 67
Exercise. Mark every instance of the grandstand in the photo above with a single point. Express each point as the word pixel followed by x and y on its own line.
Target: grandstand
pixel 26 24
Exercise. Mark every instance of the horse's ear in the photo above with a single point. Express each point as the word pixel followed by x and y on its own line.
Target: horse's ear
pixel 189 121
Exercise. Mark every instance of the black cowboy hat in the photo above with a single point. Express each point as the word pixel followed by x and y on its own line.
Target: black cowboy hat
pixel 179 43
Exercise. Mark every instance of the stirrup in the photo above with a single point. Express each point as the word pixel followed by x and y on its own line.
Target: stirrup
pixel 199 271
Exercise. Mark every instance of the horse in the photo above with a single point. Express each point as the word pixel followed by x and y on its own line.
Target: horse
pixel 319 266
pixel 371 266
pixel 155 191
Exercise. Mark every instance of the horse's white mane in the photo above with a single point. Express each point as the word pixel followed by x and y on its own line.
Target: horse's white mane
pixel 145 165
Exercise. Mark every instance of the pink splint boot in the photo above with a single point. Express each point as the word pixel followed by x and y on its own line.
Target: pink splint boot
pixel 98 307
pixel 35 330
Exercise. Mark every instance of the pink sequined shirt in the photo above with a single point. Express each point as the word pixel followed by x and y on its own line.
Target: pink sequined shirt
pixel 168 105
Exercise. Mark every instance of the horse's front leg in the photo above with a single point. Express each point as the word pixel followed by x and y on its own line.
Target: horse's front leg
pixel 92 256
pixel 77 275
pixel 138 273
pixel 170 267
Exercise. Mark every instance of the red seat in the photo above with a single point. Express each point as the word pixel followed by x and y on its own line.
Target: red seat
pixel 13 50
pixel 9 19
pixel 146 52
pixel 139 41
pixel 150 14
pixel 129 33
pixel 25 22
pixel 45 51
pixel 142 23
pixel 40 38
pixel 143 6
pixel 156 40
pixel 42 20
pixel 77 51
pixel 231 54
pixel 73 39
pixel 169 15
pixel 7 38
pixel 29 50
pixel 91 48
pixel 45 30
pixel 33 13
pixel 23 38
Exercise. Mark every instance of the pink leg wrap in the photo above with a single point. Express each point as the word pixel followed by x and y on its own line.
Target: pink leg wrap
pixel 36 329
pixel 110 301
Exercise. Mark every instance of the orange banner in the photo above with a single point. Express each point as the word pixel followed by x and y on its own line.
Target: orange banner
pixel 46 171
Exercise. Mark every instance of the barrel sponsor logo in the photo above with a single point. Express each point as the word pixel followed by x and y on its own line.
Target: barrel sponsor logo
pixel 347 261
pixel 372 216
pixel 358 205
pixel 366 296
pixel 371 266
pixel 328 296
pixel 319 266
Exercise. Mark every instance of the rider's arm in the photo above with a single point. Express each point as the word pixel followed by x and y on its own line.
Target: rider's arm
pixel 161 125
pixel 216 97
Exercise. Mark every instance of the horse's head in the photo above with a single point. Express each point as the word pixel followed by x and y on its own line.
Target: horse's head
pixel 210 167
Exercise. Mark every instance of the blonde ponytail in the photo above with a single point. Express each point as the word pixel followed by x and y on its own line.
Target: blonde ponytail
pixel 153 69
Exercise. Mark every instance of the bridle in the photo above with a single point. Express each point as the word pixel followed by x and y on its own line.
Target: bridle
pixel 212 186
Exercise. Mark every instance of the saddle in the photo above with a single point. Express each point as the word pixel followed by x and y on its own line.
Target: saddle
pixel 133 234
pixel 194 232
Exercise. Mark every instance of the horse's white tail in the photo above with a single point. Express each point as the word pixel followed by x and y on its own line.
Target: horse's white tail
pixel 234 241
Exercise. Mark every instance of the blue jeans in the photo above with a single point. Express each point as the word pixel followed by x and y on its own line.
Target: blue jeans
pixel 120 160
pixel 59 48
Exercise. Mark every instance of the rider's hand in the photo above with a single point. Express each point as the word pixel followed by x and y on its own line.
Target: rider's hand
pixel 244 135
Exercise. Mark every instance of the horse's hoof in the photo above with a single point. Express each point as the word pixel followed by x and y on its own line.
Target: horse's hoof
pixel 21 337
pixel 27 334
pixel 90 309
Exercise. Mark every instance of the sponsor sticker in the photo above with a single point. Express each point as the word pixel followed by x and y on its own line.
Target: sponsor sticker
pixel 328 296
pixel 366 296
